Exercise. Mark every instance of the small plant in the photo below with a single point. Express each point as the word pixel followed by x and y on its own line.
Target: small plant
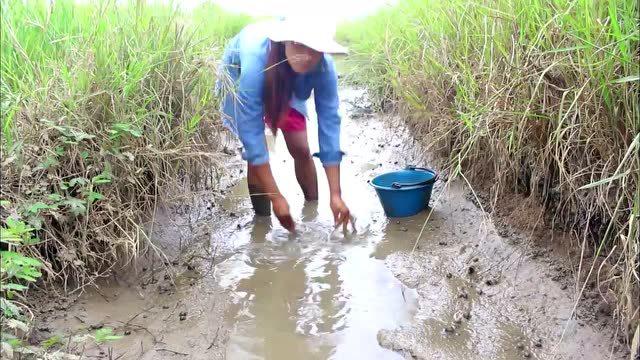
pixel 16 272
pixel 51 342
pixel 105 334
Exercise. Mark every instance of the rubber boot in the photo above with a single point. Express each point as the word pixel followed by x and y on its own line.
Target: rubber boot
pixel 260 202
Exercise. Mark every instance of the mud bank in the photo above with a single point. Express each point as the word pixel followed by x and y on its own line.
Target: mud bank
pixel 237 287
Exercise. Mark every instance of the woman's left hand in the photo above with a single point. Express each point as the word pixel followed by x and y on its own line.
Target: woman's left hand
pixel 341 214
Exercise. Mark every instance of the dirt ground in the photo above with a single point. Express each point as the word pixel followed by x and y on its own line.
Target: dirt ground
pixel 450 283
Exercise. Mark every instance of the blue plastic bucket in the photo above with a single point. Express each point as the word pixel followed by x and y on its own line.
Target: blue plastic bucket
pixel 406 192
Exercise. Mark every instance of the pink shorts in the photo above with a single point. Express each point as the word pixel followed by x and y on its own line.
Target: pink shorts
pixel 294 121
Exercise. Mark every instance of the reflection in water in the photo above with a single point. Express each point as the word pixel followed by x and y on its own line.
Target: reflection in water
pixel 273 292
pixel 308 299
pixel 309 211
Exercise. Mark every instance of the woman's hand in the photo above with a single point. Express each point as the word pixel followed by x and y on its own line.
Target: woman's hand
pixel 281 209
pixel 341 214
pixel 264 177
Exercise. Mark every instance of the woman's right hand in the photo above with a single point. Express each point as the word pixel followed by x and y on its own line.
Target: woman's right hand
pixel 281 209
pixel 265 178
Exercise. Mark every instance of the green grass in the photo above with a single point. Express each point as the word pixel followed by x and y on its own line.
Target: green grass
pixel 101 106
pixel 538 97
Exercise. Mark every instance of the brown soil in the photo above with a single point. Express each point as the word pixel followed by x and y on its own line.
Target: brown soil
pixel 525 220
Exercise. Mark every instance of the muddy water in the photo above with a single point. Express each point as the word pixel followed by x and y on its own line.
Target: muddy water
pixel 318 293
pixel 244 288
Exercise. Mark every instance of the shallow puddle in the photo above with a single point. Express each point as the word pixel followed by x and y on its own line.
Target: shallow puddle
pixel 316 293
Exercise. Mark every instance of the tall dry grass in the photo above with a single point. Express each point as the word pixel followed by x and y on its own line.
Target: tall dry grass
pixel 538 97
pixel 103 107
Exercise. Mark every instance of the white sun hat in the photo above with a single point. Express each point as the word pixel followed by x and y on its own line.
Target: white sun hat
pixel 309 31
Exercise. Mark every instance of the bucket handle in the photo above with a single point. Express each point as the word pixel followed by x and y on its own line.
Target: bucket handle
pixel 398 185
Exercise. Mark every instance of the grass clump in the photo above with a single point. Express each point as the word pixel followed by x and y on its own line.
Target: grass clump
pixel 536 97
pixel 101 107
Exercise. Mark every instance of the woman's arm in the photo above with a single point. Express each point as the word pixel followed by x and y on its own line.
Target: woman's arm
pixel 341 213
pixel 333 177
pixel 327 105
pixel 248 116
pixel 269 186
pixel 266 179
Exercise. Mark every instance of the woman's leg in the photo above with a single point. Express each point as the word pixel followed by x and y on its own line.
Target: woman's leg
pixel 298 147
pixel 259 200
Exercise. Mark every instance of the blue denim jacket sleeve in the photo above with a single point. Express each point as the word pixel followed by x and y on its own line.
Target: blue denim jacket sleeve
pixel 250 109
pixel 243 109
pixel 327 103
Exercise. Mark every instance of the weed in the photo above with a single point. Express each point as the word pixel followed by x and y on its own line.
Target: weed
pixel 536 97
pixel 102 106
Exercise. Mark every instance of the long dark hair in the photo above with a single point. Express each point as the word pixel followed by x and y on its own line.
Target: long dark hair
pixel 278 84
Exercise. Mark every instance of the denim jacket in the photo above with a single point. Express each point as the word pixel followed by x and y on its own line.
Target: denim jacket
pixel 243 62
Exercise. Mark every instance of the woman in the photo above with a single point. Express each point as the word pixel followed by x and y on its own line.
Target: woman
pixel 274 67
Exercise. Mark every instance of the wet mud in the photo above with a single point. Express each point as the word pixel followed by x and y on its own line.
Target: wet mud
pixel 233 286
